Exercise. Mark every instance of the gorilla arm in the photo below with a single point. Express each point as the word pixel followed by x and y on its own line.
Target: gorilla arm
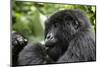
pixel 33 54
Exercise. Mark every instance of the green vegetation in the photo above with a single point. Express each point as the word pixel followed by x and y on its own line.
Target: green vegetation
pixel 28 17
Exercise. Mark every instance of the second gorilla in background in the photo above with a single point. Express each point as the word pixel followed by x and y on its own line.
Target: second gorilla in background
pixel 68 38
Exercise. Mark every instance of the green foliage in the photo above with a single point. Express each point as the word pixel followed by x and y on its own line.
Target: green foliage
pixel 28 17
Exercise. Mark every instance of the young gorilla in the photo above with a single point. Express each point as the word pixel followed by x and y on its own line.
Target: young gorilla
pixel 18 43
pixel 68 38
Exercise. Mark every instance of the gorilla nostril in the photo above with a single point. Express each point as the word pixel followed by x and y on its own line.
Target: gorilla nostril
pixel 49 36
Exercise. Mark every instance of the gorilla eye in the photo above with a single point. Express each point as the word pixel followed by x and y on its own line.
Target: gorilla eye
pixel 76 24
pixel 56 24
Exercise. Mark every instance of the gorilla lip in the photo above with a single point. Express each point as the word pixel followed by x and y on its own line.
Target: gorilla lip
pixel 50 43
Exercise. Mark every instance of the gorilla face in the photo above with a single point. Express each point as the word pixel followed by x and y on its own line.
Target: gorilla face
pixel 55 39
pixel 56 25
pixel 67 22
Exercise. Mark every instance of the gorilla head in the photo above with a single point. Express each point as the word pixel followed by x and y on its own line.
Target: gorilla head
pixel 60 29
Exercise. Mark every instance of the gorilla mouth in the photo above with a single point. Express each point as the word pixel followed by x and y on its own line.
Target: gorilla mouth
pixel 49 44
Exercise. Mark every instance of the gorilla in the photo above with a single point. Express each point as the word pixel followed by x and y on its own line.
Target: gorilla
pixel 68 38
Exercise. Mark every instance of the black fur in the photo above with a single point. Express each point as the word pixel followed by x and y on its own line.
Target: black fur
pixel 33 54
pixel 68 38
pixel 18 43
pixel 74 37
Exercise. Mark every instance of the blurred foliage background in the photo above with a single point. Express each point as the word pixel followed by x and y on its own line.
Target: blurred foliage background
pixel 28 17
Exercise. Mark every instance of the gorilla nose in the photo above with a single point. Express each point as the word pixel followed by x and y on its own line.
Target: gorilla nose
pixel 49 37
